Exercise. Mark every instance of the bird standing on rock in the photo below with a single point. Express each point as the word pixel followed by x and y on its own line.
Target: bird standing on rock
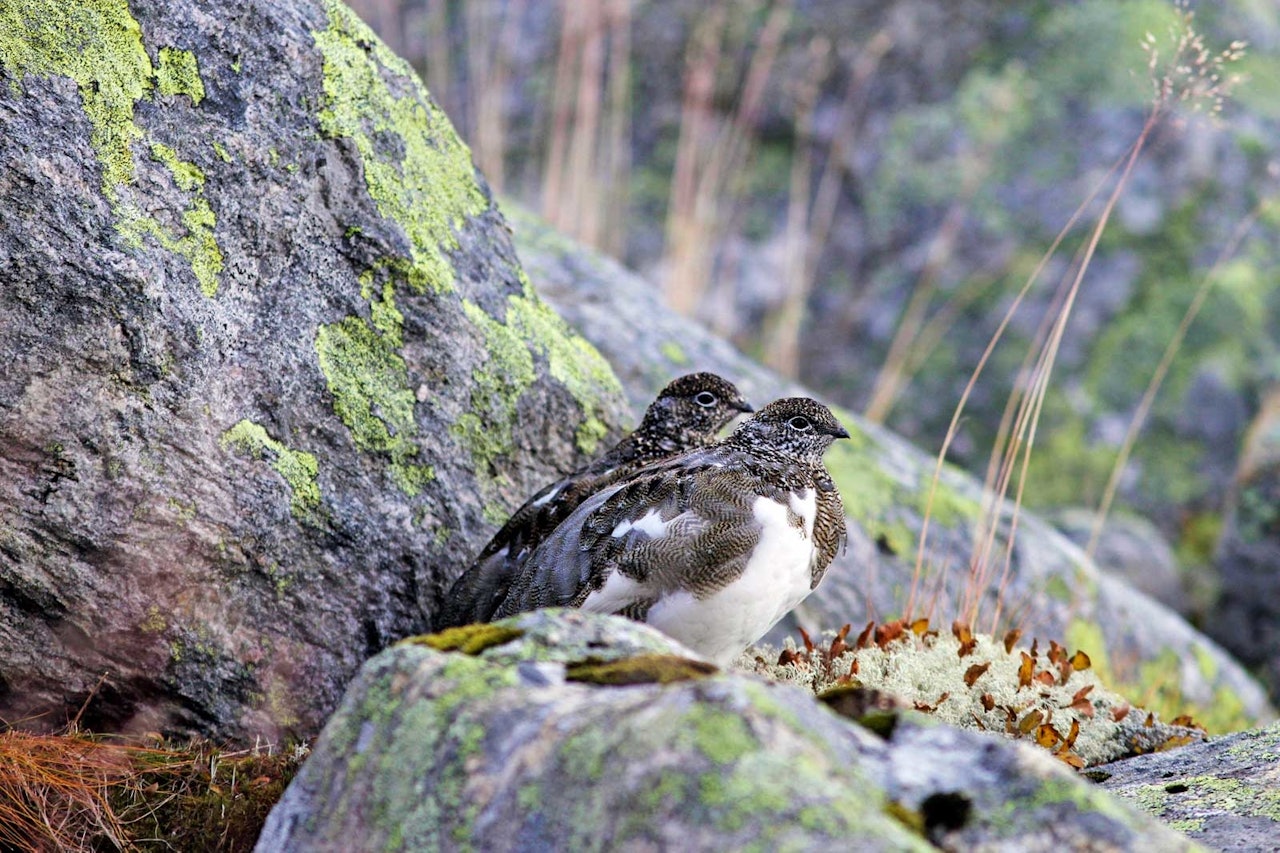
pixel 688 413
pixel 711 547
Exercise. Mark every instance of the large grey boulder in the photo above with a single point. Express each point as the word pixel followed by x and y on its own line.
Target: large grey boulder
pixel 1053 590
pixel 565 730
pixel 271 367
pixel 1224 793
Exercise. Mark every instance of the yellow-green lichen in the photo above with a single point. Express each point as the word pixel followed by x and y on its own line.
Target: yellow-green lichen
pixel 426 182
pixel 99 46
pixel 1211 794
pixel 573 362
pixel 178 74
pixel 299 469
pixel 531 327
pixel 468 639
pixel 487 429
pixel 673 353
pixel 640 669
pixel 186 175
pixel 221 151
pixel 154 623
pixel 371 394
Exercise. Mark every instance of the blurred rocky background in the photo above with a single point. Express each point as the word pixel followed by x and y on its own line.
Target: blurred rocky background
pixel 856 193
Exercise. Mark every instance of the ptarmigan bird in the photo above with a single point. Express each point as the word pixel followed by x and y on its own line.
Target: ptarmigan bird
pixel 713 546
pixel 688 413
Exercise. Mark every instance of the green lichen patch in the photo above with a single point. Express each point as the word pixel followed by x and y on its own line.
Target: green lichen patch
pixel 531 328
pixel 298 468
pixel 370 386
pixel 468 639
pixel 178 74
pixel 99 46
pixel 573 362
pixel 428 186
pixel 641 669
pixel 186 175
pixel 1209 794
pixel 487 430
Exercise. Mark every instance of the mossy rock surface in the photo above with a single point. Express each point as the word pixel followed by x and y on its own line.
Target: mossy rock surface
pixel 1224 793
pixel 272 367
pixel 501 751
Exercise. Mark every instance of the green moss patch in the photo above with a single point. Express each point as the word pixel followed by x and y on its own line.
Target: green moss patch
pixel 179 74
pixel 428 185
pixel 641 669
pixel 298 468
pixel 371 394
pixel 468 639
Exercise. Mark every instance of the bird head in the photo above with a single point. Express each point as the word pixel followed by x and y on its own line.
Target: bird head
pixel 794 426
pixel 694 408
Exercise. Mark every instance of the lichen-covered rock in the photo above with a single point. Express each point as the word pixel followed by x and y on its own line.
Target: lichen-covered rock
pixel 524 744
pixel 1224 793
pixel 1055 591
pixel 271 367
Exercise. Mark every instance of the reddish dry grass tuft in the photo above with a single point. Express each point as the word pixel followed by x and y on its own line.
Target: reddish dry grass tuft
pixel 77 791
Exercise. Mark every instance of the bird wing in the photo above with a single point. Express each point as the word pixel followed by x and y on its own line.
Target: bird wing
pixel 829 534
pixel 686 526
pixel 478 591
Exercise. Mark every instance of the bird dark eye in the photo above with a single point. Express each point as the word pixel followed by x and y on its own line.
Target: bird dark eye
pixel 800 423
pixel 706 399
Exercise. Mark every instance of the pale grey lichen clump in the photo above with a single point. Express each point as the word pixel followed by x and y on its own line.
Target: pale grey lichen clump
pixel 986 689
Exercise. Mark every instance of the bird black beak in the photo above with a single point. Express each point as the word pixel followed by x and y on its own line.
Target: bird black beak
pixel 744 407
pixel 840 432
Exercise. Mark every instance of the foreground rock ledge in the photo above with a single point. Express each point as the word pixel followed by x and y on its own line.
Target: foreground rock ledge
pixel 517 736
pixel 1225 792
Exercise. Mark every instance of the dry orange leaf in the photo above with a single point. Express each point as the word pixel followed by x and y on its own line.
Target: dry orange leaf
pixel 1120 712
pixel 988 701
pixel 1070 759
pixel 1028 723
pixel 865 636
pixel 1047 736
pixel 808 641
pixel 1010 639
pixel 975 672
pixel 919 626
pixel 1025 670
pixel 1080 660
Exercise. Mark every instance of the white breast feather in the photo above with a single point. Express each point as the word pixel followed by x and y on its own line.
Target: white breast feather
pixel 775 580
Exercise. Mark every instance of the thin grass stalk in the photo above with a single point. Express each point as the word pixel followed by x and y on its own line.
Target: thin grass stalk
pixel 617 144
pixel 954 426
pixel 1060 329
pixel 1166 361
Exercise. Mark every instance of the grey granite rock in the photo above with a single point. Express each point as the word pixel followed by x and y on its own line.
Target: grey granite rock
pixel 521 743
pixel 1224 793
pixel 270 365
